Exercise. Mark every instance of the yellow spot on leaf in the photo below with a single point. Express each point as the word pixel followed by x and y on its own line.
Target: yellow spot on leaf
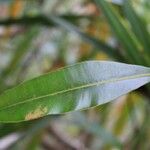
pixel 39 112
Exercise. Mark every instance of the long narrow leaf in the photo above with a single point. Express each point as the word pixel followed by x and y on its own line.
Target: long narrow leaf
pixel 76 87
pixel 132 52
pixel 138 27
pixel 20 51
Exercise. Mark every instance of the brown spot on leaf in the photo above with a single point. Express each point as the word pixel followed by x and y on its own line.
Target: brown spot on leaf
pixel 39 112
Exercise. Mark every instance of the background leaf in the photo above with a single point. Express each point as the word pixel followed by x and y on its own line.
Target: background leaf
pixel 138 27
pixel 130 48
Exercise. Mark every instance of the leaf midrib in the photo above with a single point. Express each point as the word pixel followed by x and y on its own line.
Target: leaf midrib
pixel 81 87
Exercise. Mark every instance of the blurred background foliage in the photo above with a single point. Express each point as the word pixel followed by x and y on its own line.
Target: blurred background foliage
pixel 38 36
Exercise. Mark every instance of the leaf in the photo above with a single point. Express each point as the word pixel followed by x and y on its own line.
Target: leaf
pixel 21 50
pixel 72 88
pixel 123 36
pixel 138 27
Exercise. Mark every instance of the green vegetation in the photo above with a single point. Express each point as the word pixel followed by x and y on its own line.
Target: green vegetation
pixel 60 59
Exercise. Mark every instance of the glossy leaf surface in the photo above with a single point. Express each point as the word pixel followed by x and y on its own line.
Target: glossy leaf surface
pixel 76 87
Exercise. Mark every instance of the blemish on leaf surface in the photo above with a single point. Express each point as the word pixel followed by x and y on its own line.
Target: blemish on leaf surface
pixel 39 112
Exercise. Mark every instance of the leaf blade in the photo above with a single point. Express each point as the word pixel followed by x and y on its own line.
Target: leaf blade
pixel 138 27
pixel 72 88
pixel 131 50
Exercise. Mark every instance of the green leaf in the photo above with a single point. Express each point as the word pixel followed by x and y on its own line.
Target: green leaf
pixel 131 50
pixel 138 27
pixel 72 88
pixel 21 50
